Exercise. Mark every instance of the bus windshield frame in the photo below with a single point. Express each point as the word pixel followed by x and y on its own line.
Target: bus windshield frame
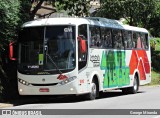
pixel 47 49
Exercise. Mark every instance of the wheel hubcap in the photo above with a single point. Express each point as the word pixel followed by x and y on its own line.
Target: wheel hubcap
pixel 93 90
pixel 135 85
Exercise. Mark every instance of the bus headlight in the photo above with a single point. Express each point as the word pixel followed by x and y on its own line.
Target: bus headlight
pixel 23 82
pixel 68 80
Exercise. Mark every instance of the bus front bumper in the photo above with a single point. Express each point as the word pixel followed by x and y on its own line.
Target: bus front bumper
pixel 66 89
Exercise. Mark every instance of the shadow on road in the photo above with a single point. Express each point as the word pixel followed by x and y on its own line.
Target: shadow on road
pixel 22 100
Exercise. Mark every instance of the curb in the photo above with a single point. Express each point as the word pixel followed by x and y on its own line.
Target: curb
pixel 4 105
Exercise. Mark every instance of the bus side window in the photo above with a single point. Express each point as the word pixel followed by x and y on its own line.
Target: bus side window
pixel 127 37
pixel 144 39
pixel 95 36
pixel 106 38
pixel 139 41
pixel 117 38
pixel 135 40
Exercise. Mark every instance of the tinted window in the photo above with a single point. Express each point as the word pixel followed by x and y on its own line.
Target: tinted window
pixel 95 36
pixel 144 39
pixel 82 57
pixel 106 38
pixel 127 37
pixel 137 40
pixel 117 39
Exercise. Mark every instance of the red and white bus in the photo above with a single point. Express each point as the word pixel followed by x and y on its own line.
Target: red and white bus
pixel 62 56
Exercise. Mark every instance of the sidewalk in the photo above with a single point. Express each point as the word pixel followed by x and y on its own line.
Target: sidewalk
pixel 5 105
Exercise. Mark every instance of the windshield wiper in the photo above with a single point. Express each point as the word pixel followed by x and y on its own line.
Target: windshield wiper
pixel 54 63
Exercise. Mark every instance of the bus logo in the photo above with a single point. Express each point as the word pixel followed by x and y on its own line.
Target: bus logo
pixel 67 29
pixel 95 59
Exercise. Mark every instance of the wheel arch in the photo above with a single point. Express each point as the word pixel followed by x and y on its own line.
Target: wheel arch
pixel 97 80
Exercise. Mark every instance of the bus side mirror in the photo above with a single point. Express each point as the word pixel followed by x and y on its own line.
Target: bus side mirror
pixel 12 51
pixel 83 45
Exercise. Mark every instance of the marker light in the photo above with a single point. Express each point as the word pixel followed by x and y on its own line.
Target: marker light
pixel 71 89
pixel 20 90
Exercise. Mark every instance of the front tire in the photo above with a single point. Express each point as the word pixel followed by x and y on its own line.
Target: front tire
pixel 94 91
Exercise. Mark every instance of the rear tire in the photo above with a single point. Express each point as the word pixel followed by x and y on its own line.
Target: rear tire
pixel 134 89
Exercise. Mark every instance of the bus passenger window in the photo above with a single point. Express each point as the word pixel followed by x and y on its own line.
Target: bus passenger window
pixel 144 39
pixel 139 43
pixel 135 37
pixel 127 37
pixel 117 38
pixel 95 36
pixel 106 38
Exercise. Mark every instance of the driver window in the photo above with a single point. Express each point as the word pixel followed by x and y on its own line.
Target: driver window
pixel 82 57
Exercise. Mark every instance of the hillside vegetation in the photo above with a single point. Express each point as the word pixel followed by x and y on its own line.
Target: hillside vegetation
pixel 155 58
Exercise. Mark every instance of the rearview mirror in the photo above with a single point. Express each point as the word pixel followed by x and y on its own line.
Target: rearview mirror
pixel 83 45
pixel 12 51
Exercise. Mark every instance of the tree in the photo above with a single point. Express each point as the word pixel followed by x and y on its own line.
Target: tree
pixel 35 8
pixel 9 12
pixel 9 19
pixel 25 11
pixel 154 21
pixel 136 12
pixel 110 9
pixel 74 7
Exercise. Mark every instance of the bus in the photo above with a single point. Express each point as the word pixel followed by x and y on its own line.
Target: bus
pixel 82 56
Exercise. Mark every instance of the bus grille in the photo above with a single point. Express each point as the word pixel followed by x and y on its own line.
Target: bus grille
pixel 52 84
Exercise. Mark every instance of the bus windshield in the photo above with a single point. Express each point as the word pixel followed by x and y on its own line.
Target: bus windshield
pixel 49 48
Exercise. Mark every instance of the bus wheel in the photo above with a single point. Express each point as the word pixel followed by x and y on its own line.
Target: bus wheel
pixel 134 89
pixel 94 89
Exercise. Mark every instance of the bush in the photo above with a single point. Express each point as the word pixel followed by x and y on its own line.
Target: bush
pixel 9 19
pixel 9 12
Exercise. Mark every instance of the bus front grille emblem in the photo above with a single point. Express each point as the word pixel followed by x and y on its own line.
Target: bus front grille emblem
pixel 43 80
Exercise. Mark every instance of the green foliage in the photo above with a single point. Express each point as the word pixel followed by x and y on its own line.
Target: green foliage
pixel 131 10
pixel 155 78
pixel 155 54
pixel 9 18
pixel 24 13
pixel 110 9
pixel 155 43
pixel 142 13
pixel 9 23
pixel 74 7
pixel 152 44
pixel 157 46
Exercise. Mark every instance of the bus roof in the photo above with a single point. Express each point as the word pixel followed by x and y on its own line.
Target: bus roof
pixel 104 22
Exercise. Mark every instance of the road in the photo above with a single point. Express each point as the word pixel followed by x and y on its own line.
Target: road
pixel 148 97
